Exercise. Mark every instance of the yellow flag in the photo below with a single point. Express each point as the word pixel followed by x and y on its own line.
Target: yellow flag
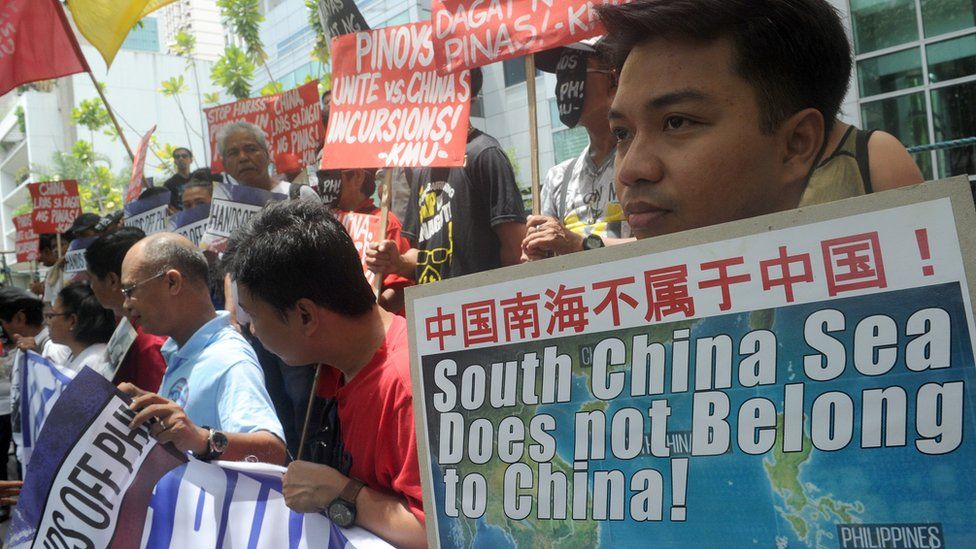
pixel 106 23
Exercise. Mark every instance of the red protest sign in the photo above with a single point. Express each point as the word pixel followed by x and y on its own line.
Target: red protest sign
pixel 390 107
pixel 471 34
pixel 291 120
pixel 138 168
pixel 364 230
pixel 26 240
pixel 56 205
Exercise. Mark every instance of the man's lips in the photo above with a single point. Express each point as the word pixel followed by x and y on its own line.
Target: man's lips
pixel 642 214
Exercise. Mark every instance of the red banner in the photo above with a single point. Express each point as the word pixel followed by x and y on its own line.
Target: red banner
pixel 471 34
pixel 26 239
pixel 56 205
pixel 390 107
pixel 35 43
pixel 291 120
pixel 138 168
pixel 364 230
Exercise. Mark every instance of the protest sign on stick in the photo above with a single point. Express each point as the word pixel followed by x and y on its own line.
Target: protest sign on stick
pixel 291 120
pixel 56 205
pixel 148 214
pixel 389 106
pixel 27 241
pixel 340 17
pixel 233 206
pixel 94 482
pixel 364 229
pixel 139 167
pixel 757 382
pixel 471 34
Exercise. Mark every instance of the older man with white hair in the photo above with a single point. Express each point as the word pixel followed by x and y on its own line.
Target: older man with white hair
pixel 244 150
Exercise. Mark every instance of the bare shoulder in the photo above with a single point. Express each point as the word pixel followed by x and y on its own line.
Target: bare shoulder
pixel 891 165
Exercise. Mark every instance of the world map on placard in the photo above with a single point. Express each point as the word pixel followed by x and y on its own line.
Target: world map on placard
pixel 779 499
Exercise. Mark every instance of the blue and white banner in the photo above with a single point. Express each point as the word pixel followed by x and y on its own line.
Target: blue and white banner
pixel 96 483
pixel 74 259
pixel 190 223
pixel 233 206
pixel 41 384
pixel 149 214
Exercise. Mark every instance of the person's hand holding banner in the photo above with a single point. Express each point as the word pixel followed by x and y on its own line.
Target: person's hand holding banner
pixel 310 487
pixel 173 425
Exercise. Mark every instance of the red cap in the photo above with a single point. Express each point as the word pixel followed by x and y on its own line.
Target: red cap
pixel 287 162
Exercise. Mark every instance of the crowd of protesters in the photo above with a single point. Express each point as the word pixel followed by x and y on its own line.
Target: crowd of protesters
pixel 697 113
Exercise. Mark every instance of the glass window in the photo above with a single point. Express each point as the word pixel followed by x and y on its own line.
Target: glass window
pixel 942 16
pixel 892 72
pixel 954 117
pixel 904 117
pixel 569 143
pixel 952 58
pixel 881 24
pixel 514 71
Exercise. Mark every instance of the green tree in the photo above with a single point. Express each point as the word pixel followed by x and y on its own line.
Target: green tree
pixel 243 18
pixel 211 98
pixel 91 114
pixel 233 72
pixel 185 45
pixel 174 87
pixel 99 188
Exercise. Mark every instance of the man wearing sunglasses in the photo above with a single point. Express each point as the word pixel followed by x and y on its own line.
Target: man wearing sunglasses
pixel 182 159
pixel 580 210
pixel 212 401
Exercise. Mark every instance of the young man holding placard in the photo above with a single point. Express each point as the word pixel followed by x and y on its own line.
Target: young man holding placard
pixel 722 106
pixel 322 310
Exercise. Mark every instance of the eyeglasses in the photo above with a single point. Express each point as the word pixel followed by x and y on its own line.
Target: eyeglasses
pixel 181 155
pixel 49 316
pixel 127 290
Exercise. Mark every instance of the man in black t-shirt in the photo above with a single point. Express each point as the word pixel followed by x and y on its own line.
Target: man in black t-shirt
pixel 183 158
pixel 459 220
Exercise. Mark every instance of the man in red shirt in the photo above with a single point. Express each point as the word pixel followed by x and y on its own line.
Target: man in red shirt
pixel 301 281
pixel 134 354
pixel 355 196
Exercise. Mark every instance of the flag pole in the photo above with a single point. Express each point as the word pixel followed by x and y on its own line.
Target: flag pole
pixel 384 218
pixel 533 131
pixel 81 57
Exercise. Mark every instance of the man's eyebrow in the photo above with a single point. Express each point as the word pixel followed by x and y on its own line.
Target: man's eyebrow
pixel 671 98
pixel 666 100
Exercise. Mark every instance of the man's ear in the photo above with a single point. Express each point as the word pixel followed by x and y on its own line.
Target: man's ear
pixel 174 281
pixel 114 281
pixel 308 314
pixel 803 138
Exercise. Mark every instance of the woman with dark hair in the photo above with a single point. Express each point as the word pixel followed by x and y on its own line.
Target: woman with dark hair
pixel 79 322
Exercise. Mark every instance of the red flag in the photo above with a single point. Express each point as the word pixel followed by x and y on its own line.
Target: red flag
pixel 36 43
pixel 138 167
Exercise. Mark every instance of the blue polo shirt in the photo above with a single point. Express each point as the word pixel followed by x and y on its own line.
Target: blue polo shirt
pixel 217 380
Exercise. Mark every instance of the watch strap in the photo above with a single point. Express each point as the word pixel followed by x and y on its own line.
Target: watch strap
pixel 351 490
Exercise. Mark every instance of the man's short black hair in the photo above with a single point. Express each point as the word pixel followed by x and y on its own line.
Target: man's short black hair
pixel 199 183
pixel 297 249
pixel 14 300
pixel 95 324
pixel 178 149
pixel 794 53
pixel 152 191
pixel 106 253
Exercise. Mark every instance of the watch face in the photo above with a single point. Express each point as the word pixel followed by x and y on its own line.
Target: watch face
pixel 218 442
pixel 342 513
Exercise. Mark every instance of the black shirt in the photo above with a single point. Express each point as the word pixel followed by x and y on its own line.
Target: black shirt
pixel 175 186
pixel 451 211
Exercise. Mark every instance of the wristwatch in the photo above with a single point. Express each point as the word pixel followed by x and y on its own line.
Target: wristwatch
pixel 216 444
pixel 342 510
pixel 592 242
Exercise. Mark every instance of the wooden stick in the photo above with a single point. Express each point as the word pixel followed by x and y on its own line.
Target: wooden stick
pixel 533 132
pixel 308 412
pixel 384 218
pixel 111 115
pixel 59 245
